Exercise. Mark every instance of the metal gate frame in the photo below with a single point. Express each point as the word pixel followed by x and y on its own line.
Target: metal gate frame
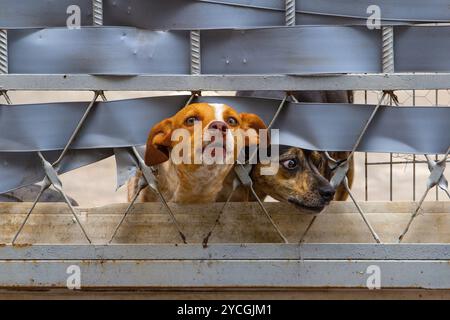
pixel 84 82
pixel 287 266
pixel 418 266
pixel 237 266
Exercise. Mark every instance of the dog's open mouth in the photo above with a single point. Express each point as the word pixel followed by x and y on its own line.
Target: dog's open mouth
pixel 217 146
pixel 299 204
pixel 213 148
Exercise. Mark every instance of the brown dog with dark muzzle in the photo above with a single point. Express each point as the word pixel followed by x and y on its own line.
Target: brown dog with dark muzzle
pixel 302 179
pixel 303 176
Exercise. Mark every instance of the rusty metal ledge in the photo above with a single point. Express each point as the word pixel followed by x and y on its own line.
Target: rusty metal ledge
pixel 155 252
pixel 226 274
pixel 226 266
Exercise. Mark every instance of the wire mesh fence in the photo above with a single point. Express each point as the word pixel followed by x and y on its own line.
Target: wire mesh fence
pixel 399 174
pixel 204 49
pixel 82 82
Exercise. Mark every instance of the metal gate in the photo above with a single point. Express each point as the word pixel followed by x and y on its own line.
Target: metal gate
pixel 225 46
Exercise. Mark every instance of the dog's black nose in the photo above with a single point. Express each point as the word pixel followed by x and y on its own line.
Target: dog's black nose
pixel 327 192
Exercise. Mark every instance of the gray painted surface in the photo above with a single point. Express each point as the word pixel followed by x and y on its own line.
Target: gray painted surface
pixel 409 252
pixel 238 266
pixel 27 128
pixel 41 13
pixel 122 124
pixel 29 194
pixel 418 49
pixel 291 50
pixel 282 50
pixel 412 10
pixel 231 274
pixel 181 14
pixel 119 51
pixel 19 170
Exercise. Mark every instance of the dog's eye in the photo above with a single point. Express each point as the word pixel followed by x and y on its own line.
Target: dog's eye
pixel 191 121
pixel 290 164
pixel 232 121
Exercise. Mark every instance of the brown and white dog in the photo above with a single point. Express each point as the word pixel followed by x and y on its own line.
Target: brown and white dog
pixel 193 182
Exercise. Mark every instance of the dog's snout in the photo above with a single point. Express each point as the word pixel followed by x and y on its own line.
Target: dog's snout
pixel 218 125
pixel 327 192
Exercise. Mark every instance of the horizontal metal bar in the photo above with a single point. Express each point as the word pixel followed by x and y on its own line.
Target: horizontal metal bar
pixel 230 274
pixel 398 162
pixel 83 82
pixel 170 14
pixel 412 252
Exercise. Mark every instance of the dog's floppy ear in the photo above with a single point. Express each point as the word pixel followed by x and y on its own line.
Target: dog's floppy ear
pixel 252 121
pixel 158 143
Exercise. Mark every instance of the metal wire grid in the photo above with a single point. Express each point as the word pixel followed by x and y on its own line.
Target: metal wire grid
pixel 410 164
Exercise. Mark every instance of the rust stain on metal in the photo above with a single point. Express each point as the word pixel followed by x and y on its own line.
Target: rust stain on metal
pixel 22 245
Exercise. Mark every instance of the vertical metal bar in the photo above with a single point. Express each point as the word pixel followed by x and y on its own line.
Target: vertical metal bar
pixel 97 9
pixel 414 178
pixel 391 166
pixel 391 193
pixel 3 52
pixel 366 164
pixel 366 174
pixel 436 156
pixel 388 49
pixel 414 157
pixel 196 60
pixel 290 12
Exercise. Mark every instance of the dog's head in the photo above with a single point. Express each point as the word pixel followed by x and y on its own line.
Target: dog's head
pixel 205 129
pixel 298 180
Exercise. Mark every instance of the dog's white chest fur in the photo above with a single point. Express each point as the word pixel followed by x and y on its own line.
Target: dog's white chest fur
pixel 191 184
